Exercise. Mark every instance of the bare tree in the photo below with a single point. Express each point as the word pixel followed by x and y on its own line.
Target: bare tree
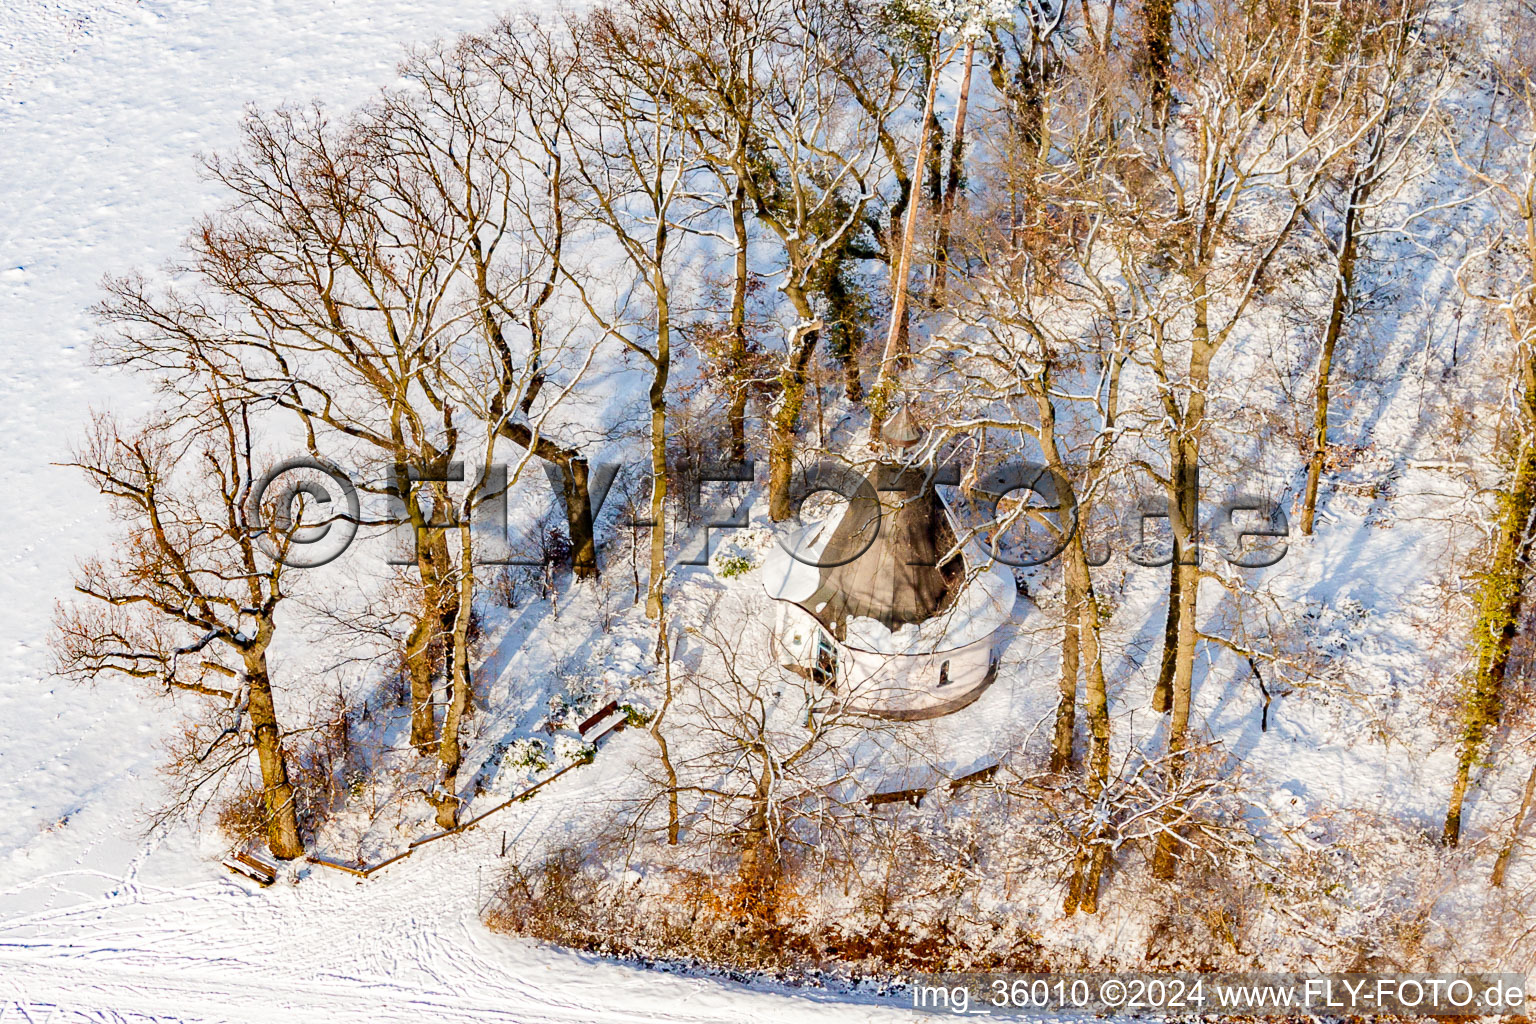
pixel 763 751
pixel 931 27
pixel 771 119
pixel 189 602
pixel 475 146
pixel 1047 329
pixel 322 291
pixel 717 98
pixel 635 159
pixel 474 379
pixel 1502 275
pixel 955 175
pixel 1380 85
pixel 1202 257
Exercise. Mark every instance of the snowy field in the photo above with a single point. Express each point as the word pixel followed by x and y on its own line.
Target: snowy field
pixel 103 109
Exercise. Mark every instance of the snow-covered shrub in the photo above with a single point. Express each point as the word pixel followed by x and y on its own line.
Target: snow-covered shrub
pixel 501 583
pixel 242 816
pixel 636 714
pixel 525 759
pixel 731 566
pixel 568 711
pixel 961 19
pixel 323 765
pixel 554 902
pixel 695 904
pixel 571 750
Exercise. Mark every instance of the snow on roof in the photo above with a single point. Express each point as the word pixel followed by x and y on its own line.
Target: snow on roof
pixel 886 594
pixel 983 604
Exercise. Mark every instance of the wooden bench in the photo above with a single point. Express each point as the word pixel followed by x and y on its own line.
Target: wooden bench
pixel 915 796
pixel 253 867
pixel 911 796
pixel 975 778
pixel 605 720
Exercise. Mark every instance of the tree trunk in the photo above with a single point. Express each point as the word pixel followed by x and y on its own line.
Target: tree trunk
pixel 1081 645
pixel 1184 431
pixel 1162 692
pixel 439 608
pixel 1343 294
pixel 1498 619
pixel 736 411
pixel 933 177
pixel 1093 849
pixel 574 488
pixel 935 173
pixel 424 650
pixel 277 793
pixel 449 753
pixel 658 401
pixel 1066 701
pixel 418 663
pixel 956 172
pixel 1184 508
pixel 1098 742
pixel 784 420
pixel 1501 865
pixel 1502 591
pixel 1325 65
pixel 1157 25
pixel 1165 860
pixel 575 483
pixel 843 329
pixel 674 821
pixel 760 867
pixel 536 375
pixel 896 336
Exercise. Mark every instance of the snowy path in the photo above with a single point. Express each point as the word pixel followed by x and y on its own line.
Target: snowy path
pixel 403 946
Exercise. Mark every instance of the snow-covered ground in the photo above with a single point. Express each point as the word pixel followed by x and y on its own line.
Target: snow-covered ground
pixel 196 945
pixel 104 106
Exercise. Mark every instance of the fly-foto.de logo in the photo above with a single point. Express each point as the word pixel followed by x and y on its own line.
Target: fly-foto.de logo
pixel 1018 513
